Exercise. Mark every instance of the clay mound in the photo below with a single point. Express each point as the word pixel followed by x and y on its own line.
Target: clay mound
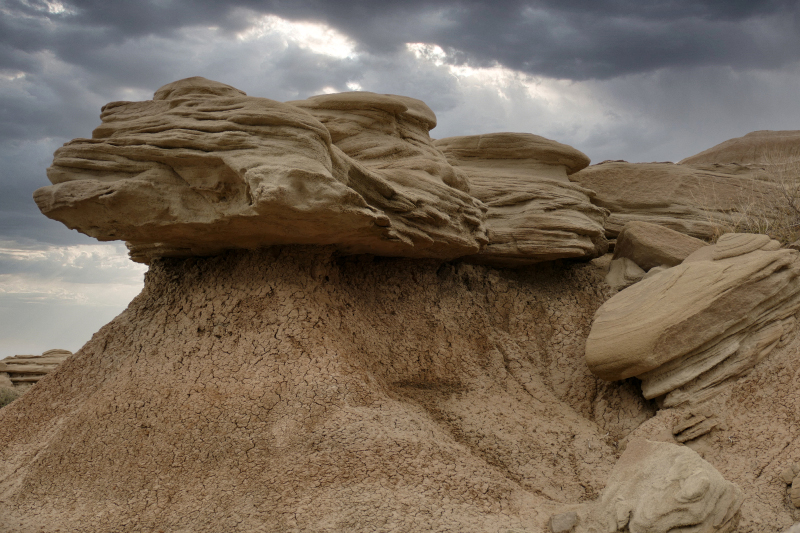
pixel 296 390
pixel 757 149
pixel 689 199
pixel 535 213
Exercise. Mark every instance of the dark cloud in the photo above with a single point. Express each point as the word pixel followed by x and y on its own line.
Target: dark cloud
pixel 571 39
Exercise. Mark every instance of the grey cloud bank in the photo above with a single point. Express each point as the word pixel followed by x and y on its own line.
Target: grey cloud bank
pixel 640 81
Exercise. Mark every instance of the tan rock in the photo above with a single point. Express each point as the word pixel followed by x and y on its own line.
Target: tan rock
pixel 685 198
pixel 658 486
pixel 622 273
pixel 693 326
pixel 203 168
pixel 756 150
pixel 24 370
pixel 535 213
pixel 651 245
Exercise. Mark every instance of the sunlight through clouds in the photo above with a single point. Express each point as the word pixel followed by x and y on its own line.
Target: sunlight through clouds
pixel 318 38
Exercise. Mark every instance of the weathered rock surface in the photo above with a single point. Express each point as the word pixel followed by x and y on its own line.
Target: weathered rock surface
pixel 299 390
pixel 689 199
pixel 535 213
pixel 662 487
pixel 203 168
pixel 650 245
pixel 756 150
pixel 25 370
pixel 622 273
pixel 693 326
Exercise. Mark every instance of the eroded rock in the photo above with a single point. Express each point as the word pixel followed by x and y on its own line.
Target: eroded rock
pixel 695 325
pixel 651 245
pixel 535 213
pixel 693 200
pixel 22 371
pixel 203 168
pixel 662 487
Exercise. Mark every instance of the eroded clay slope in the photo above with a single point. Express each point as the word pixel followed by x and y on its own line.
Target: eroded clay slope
pixel 297 390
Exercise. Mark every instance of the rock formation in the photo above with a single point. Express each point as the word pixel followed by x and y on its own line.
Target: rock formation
pixel 534 212
pixel 756 150
pixel 22 371
pixel 661 487
pixel 268 379
pixel 650 245
pixel 204 168
pixel 690 199
pixel 693 326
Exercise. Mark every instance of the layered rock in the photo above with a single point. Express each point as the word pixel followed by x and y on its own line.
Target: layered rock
pixel 756 150
pixel 22 371
pixel 689 199
pixel 650 245
pixel 534 212
pixel 202 168
pixel 687 329
pixel 662 487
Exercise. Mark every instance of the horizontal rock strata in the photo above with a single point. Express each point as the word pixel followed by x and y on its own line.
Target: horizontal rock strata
pixel 204 168
pixel 25 370
pixel 687 329
pixel 689 199
pixel 534 212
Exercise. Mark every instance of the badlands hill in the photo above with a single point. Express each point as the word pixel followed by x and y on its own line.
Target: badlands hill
pixel 330 337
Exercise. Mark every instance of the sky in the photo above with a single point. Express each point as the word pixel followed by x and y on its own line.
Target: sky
pixel 639 80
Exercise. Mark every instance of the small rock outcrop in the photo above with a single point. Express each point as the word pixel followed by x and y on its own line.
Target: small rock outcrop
pixel 662 487
pixel 711 318
pixel 534 212
pixel 204 168
pixel 651 245
pixel 689 199
pixel 22 371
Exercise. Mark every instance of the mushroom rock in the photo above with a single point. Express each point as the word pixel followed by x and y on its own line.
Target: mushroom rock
pixel 203 168
pixel 663 487
pixel 535 213
pixel 689 328
pixel 686 198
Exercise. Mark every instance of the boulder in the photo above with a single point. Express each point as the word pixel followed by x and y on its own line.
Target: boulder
pixel 687 329
pixel 202 168
pixel 534 212
pixel 622 273
pixel 658 486
pixel 651 245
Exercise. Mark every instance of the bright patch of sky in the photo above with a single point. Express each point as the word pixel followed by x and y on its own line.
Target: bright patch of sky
pixel 312 36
